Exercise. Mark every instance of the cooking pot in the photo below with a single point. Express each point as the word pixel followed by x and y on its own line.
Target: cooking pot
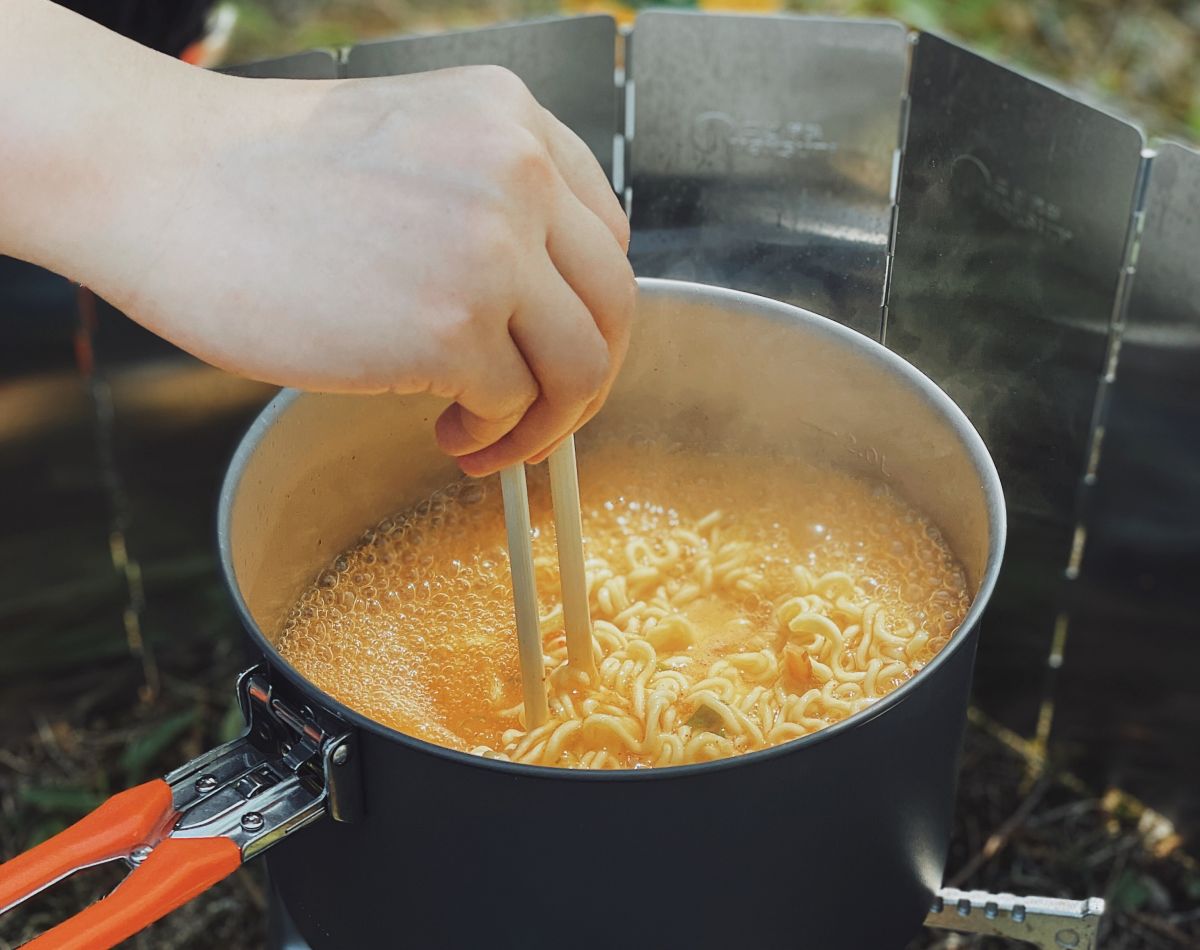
pixel 837 839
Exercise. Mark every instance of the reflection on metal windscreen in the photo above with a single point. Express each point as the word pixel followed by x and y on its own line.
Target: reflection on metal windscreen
pixel 314 64
pixel 763 153
pixel 1142 555
pixel 1014 208
pixel 567 64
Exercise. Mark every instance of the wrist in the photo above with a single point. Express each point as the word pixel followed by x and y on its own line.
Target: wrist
pixel 98 134
pixel 135 183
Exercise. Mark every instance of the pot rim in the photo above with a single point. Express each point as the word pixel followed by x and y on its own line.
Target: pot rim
pixel 684 291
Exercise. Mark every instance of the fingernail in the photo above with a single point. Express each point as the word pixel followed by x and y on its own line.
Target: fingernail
pixel 469 465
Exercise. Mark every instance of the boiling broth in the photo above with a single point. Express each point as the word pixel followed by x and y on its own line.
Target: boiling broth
pixel 785 597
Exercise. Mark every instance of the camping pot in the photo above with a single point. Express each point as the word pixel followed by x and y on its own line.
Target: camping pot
pixel 378 839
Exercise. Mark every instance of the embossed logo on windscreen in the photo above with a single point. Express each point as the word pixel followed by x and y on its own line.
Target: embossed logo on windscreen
pixel 713 130
pixel 1015 204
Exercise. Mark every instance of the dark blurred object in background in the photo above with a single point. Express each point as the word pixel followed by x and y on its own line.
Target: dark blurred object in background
pixel 169 26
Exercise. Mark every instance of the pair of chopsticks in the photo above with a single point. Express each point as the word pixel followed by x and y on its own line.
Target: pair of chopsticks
pixel 568 533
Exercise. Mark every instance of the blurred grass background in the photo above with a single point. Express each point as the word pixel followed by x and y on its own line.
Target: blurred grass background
pixel 1141 57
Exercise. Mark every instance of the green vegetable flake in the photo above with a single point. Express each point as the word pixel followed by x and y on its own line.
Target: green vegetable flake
pixel 705 719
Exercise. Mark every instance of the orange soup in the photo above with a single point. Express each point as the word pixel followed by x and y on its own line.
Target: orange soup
pixel 737 603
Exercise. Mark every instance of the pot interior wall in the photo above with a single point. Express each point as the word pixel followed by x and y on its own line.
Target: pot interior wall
pixel 712 369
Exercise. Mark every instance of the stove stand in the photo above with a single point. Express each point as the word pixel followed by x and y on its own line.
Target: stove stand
pixel 1049 923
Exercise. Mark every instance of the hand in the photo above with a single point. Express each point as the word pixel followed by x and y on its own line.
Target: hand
pixel 437 233
pixel 432 233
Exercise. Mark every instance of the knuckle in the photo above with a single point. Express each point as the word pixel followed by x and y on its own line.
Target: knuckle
pixel 498 81
pixel 527 160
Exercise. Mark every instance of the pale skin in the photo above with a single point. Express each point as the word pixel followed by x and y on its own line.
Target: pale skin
pixel 435 233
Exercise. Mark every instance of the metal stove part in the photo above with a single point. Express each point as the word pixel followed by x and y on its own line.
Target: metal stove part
pixel 1049 923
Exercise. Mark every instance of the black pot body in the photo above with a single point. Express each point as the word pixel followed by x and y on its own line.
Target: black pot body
pixel 837 844
pixel 836 840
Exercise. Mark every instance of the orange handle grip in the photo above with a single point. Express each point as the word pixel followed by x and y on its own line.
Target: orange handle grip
pixel 175 872
pixel 125 821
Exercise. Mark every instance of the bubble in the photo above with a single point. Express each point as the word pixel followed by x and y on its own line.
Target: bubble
pixel 421 633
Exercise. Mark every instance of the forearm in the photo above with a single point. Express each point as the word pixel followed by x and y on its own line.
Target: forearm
pixel 433 233
pixel 92 127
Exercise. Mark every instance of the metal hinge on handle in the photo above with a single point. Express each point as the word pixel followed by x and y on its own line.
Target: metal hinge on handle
pixel 282 775
pixel 1050 923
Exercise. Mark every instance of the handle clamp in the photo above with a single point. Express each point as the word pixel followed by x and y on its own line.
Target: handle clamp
pixel 278 777
pixel 184 833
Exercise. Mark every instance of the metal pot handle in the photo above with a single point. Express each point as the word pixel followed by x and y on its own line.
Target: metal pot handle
pixel 187 831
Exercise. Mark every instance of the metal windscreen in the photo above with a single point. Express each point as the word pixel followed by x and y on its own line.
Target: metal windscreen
pixel 763 153
pixel 567 64
pixel 1127 701
pixel 1015 203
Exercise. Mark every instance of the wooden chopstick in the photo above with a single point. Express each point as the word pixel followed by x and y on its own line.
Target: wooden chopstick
pixel 568 535
pixel 520 556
